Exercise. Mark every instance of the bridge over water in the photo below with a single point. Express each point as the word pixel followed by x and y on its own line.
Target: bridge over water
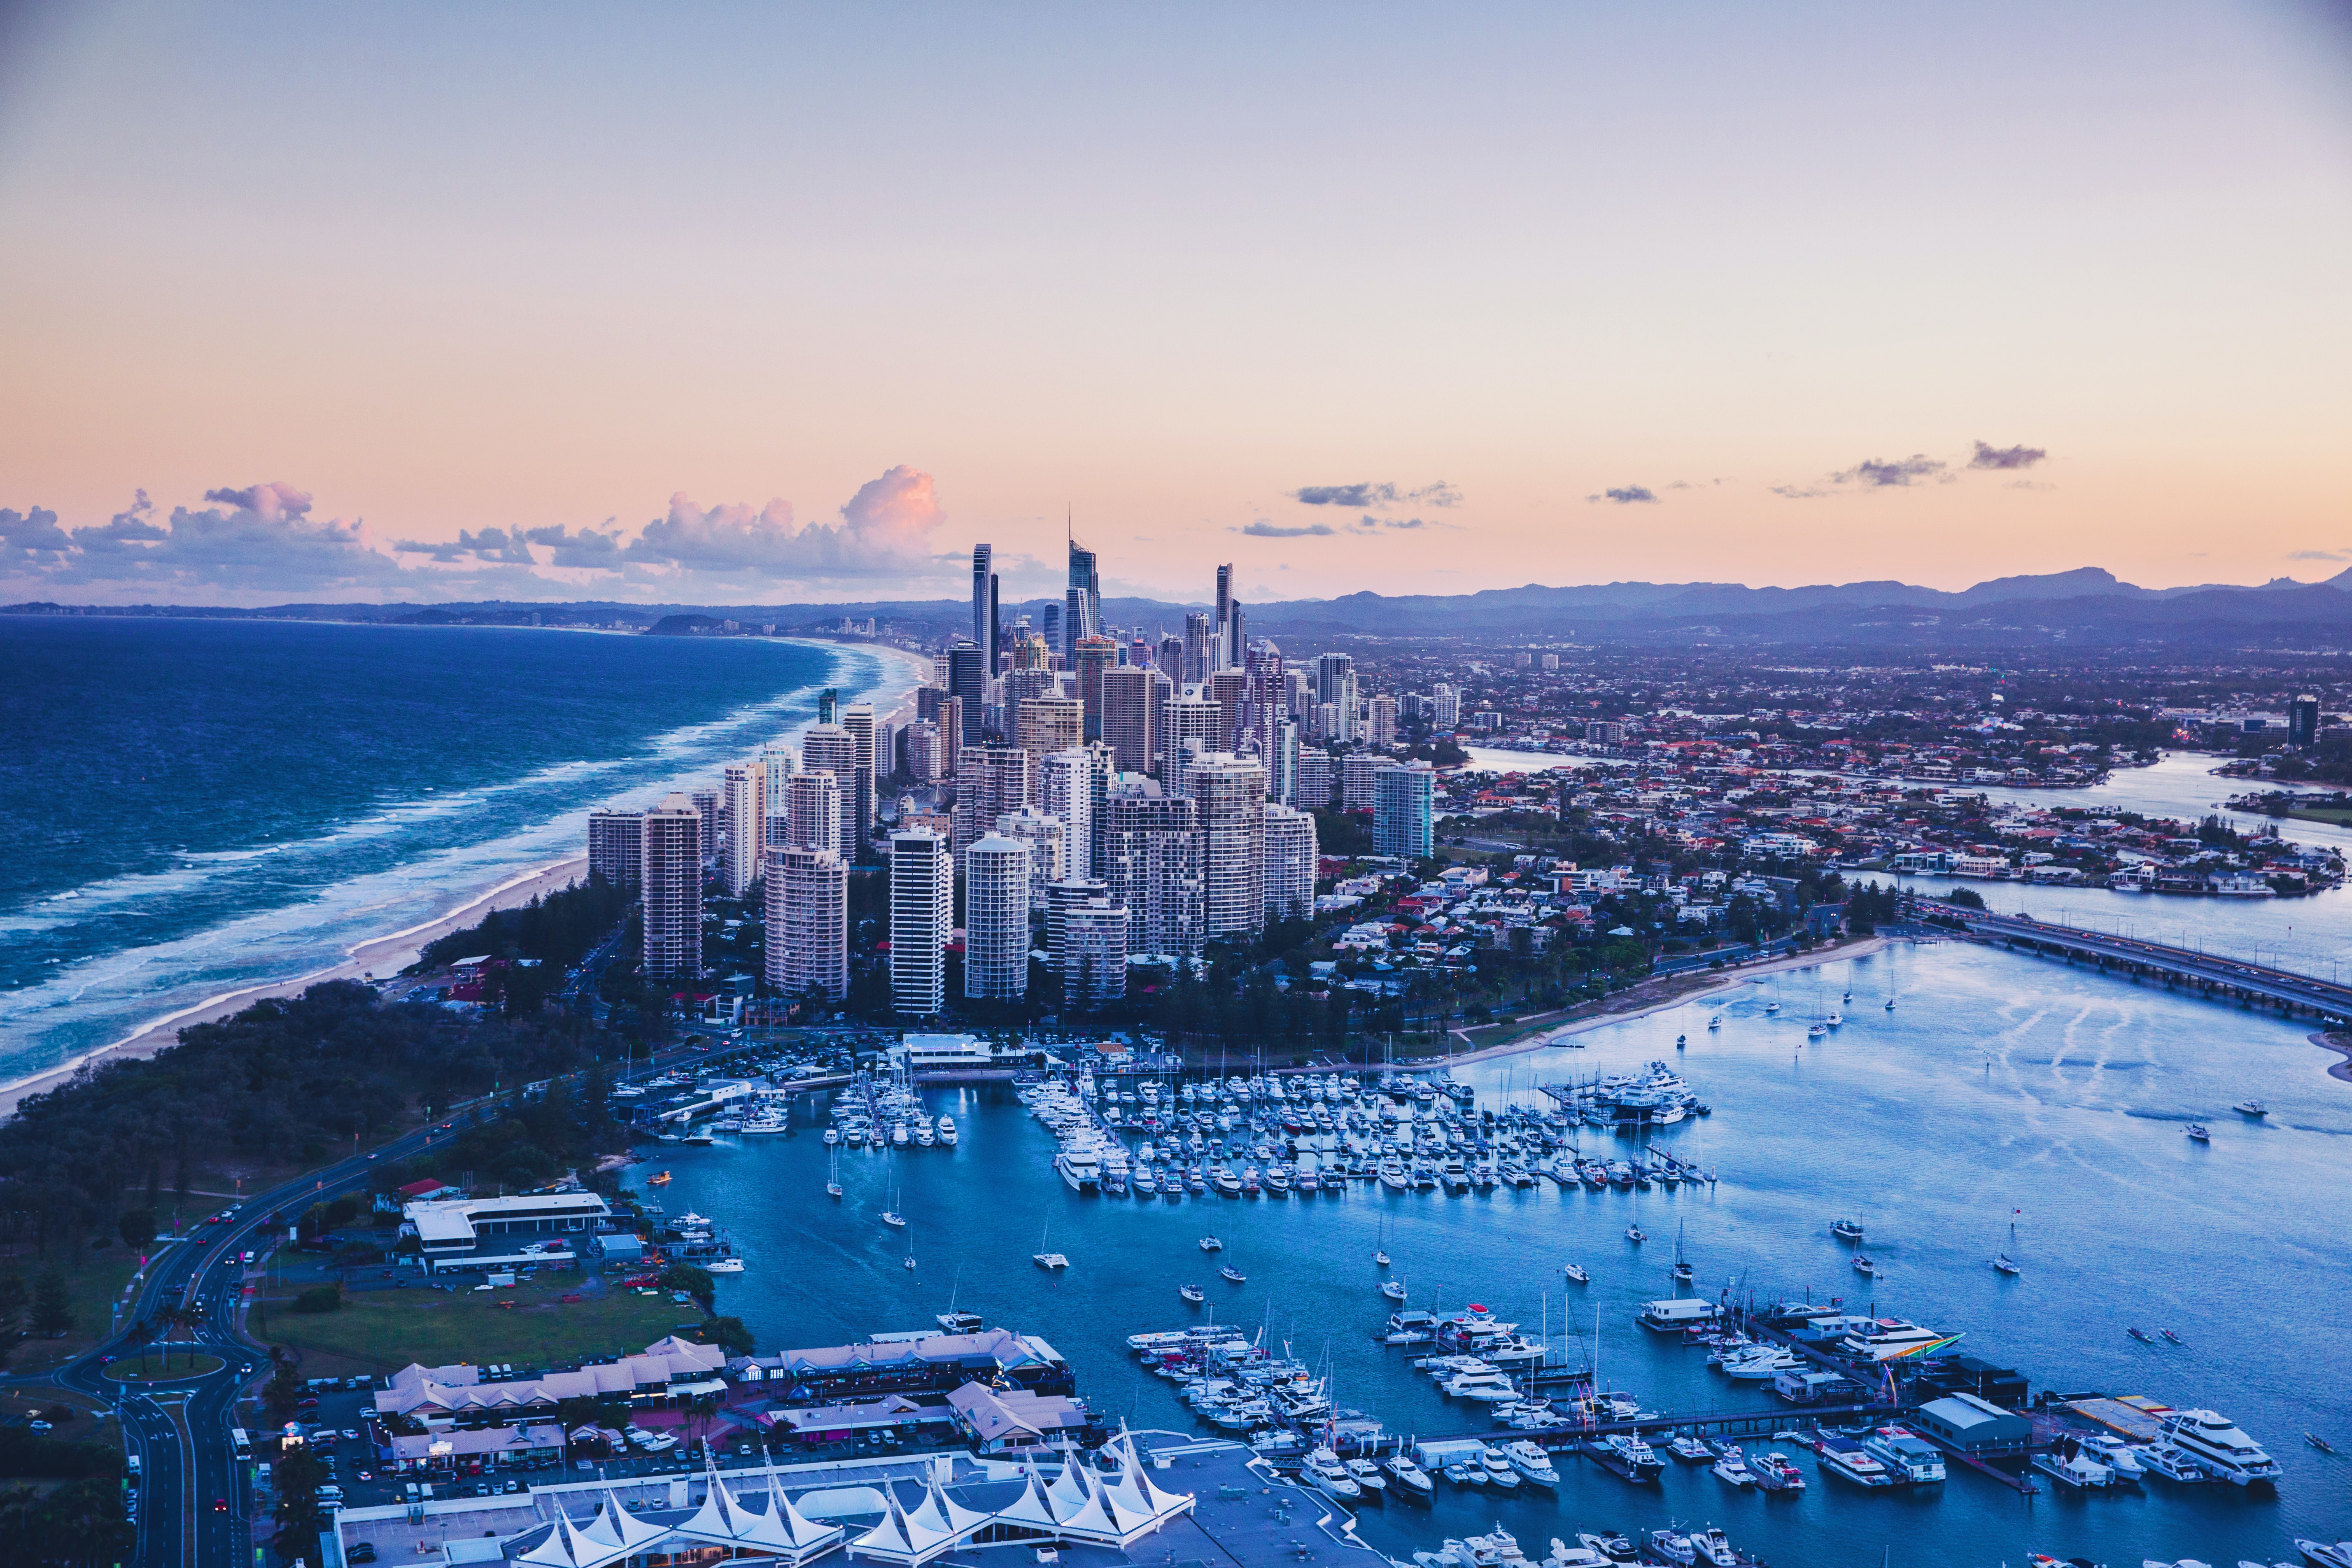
pixel 2213 975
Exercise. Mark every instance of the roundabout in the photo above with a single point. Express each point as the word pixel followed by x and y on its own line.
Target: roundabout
pixel 127 1370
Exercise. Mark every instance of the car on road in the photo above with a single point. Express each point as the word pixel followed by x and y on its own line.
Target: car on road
pixel 245 1256
pixel 220 1505
pixel 37 1425
pixel 350 1434
pixel 364 1474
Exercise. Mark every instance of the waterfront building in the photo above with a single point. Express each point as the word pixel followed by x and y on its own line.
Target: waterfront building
pixel 996 919
pixel 2303 722
pixel 807 921
pixel 747 822
pixel 1048 843
pixel 1067 788
pixel 1229 797
pixel 990 782
pixel 1357 771
pixel 1069 893
pixel 616 845
pixel 858 720
pixel 812 813
pixel 1149 856
pixel 1604 731
pixel 1090 953
pixel 1404 811
pixel 922 911
pixel 669 882
pixel 967 684
pixel 1289 859
pixel 831 749
pixel 1126 704
pixel 1043 725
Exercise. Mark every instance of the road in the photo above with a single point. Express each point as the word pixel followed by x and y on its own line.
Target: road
pixel 2283 987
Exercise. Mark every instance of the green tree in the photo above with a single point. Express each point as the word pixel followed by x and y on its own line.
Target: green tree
pixel 695 1282
pixel 52 1309
pixel 15 1300
pixel 284 1394
pixel 137 1227
pixel 727 1333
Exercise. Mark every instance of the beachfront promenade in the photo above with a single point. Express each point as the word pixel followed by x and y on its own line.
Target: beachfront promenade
pixel 2213 974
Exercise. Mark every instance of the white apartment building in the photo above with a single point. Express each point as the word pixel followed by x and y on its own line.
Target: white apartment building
pixel 747 820
pixel 831 748
pixel 1048 841
pixel 669 881
pixel 1229 796
pixel 1090 954
pixel 1290 855
pixel 995 918
pixel 617 846
pixel 811 815
pixel 1067 792
pixel 922 912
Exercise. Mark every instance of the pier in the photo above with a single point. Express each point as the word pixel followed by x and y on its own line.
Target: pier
pixel 2210 975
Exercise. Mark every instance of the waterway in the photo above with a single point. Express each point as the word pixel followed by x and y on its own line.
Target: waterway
pixel 1997 1086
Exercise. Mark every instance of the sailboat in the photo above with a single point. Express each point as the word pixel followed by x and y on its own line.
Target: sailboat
pixel 957 1322
pixel 910 1249
pixel 832 1175
pixel 1049 1261
pixel 891 1216
pixel 2005 1261
pixel 1633 1232
pixel 1684 1272
pixel 1393 1290
pixel 1380 1253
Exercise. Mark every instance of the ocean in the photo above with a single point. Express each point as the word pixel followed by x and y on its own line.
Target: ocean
pixel 200 805
pixel 1999 1087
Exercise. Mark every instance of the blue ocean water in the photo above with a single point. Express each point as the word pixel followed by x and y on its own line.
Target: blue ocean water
pixel 1998 1084
pixel 199 805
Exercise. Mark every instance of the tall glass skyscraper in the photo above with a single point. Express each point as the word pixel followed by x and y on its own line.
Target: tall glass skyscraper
pixel 1083 601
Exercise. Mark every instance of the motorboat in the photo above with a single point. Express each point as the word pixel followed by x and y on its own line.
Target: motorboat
pixel 1579 1275
pixel 2322 1555
pixel 1842 1455
pixel 1488 1387
pixel 1368 1476
pixel 1864 1265
pixel 2217 1446
pixel 1636 1455
pixel 1210 1244
pixel 2072 1467
pixel 2197 1132
pixel 1762 1364
pixel 1835 1020
pixel 1234 1274
pixel 2117 1455
pixel 1531 1462
pixel 2172 1464
pixel 1774 1472
pixel 960 1323
pixel 1393 1289
pixel 1714 1547
pixel 1324 1471
pixel 1411 1479
pixel 1192 1293
pixel 1464 1476
pixel 1906 1457
pixel 2251 1107
pixel 1671 1546
pixel 1731 1468
pixel 1846 1229
pixel 1500 1472
pixel 1608 1548
pixel 1689 1448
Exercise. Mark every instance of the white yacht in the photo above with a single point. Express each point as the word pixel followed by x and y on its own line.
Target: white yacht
pixel 1907 1457
pixel 2219 1448
pixel 1327 1475
pixel 1884 1337
pixel 1080 1164
pixel 1487 1387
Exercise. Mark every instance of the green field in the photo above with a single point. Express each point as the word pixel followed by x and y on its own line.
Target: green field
pixel 2338 816
pixel 383 1330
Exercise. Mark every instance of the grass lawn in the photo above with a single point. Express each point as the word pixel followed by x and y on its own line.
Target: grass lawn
pixel 2338 816
pixel 383 1330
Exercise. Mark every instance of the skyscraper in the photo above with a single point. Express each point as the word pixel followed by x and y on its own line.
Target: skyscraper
pixel 1229 689
pixel 1384 721
pixel 1331 672
pixel 1447 704
pixel 777 765
pixel 858 720
pixel 1192 721
pixel 1169 659
pixel 996 919
pixel 808 921
pixel 1229 794
pixel 617 846
pixel 968 683
pixel 1197 636
pixel 1265 695
pixel 1126 704
pixel 984 578
pixel 922 910
pixel 1065 791
pixel 1282 764
pixel 923 752
pixel 1083 601
pixel 1356 771
pixel 1404 813
pixel 990 782
pixel 811 818
pixel 669 880
pixel 1224 618
pixel 1070 893
pixel 1091 657
pixel 1289 879
pixel 1149 859
pixel 2303 722
pixel 1316 777
pixel 746 825
pixel 1043 725
pixel 706 806
pixel 831 748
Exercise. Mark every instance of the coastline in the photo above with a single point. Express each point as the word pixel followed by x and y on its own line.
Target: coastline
pixel 386 954
pixel 1730 980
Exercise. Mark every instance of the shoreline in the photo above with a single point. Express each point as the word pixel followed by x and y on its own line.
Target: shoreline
pixel 378 955
pixel 1730 980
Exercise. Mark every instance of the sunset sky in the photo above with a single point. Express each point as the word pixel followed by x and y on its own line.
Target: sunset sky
pixel 767 303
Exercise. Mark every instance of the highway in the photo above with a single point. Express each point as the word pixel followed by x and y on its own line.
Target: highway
pixel 2211 972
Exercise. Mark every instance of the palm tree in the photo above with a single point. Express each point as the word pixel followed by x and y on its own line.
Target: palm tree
pixel 186 1315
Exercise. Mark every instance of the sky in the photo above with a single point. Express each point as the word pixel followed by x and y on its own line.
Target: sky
pixel 784 303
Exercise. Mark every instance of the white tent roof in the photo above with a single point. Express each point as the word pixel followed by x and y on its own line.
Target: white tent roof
pixel 942 1512
pixel 803 1532
pixel 617 1526
pixel 1068 1492
pixel 1031 1508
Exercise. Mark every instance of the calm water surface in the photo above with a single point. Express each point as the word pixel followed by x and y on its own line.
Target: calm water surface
pixel 1995 1085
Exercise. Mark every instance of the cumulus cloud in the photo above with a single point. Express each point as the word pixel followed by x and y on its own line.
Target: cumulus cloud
pixel 256 537
pixel 1628 495
pixel 31 538
pixel 124 534
pixel 885 529
pixel 492 545
pixel 587 548
pixel 1262 529
pixel 269 502
pixel 1440 494
pixel 1871 472
pixel 1989 457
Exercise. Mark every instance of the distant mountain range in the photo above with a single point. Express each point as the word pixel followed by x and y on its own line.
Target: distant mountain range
pixel 2088 607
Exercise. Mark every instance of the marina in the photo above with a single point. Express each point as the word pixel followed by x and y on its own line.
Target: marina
pixel 2021 1074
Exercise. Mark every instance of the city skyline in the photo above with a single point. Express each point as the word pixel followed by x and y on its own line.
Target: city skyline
pixel 1778 300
